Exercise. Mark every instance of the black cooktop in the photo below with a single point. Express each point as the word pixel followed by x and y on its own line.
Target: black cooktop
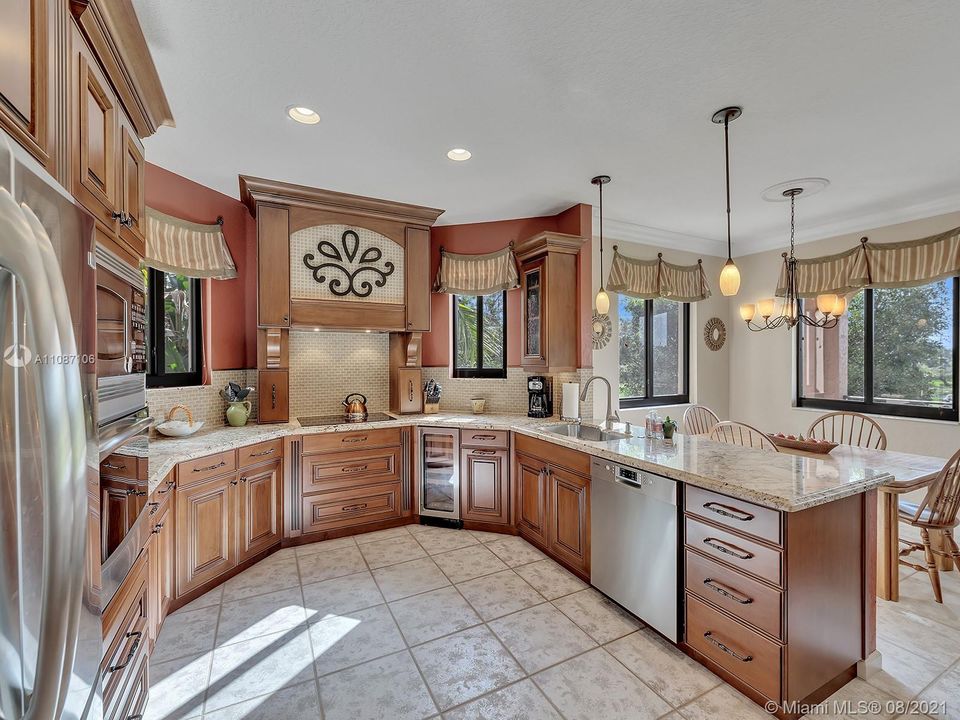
pixel 315 420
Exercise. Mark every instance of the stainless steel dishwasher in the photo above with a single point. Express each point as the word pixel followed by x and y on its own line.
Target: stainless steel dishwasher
pixel 634 542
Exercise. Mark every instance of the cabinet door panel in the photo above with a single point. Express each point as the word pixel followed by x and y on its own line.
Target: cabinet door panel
pixel 417 265
pixel 132 203
pixel 96 149
pixel 531 499
pixel 274 399
pixel 259 509
pixel 206 531
pixel 533 282
pixel 24 74
pixel 569 534
pixel 485 493
pixel 273 263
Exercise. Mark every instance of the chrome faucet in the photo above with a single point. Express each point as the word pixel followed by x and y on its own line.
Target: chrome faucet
pixel 612 416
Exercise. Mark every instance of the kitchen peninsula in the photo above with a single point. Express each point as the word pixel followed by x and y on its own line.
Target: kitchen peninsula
pixel 777 559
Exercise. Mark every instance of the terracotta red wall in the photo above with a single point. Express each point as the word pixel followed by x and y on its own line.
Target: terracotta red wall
pixel 230 312
pixel 477 238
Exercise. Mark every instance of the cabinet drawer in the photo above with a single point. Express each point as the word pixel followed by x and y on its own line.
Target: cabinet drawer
pixel 484 438
pixel 125 636
pixel 327 442
pixel 343 508
pixel 724 546
pixel 193 471
pixel 750 600
pixel 123 466
pixel 261 452
pixel 734 647
pixel 738 515
pixel 337 471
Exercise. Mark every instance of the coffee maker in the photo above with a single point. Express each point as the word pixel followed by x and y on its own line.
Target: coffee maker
pixel 540 396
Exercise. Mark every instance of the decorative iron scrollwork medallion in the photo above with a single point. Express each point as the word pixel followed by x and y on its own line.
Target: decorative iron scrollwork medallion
pixel 351 283
pixel 714 333
pixel 602 330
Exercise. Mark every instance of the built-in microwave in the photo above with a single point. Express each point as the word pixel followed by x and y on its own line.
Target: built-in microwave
pixel 121 338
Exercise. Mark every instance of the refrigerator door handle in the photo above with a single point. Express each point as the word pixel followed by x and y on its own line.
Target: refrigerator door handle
pixel 63 541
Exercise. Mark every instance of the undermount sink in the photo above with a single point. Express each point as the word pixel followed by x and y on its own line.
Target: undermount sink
pixel 585 432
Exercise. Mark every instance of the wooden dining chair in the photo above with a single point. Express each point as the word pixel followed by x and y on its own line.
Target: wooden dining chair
pixel 849 428
pixel 698 420
pixel 736 433
pixel 936 513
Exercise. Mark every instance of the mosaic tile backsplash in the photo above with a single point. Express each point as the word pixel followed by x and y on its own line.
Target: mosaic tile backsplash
pixel 204 401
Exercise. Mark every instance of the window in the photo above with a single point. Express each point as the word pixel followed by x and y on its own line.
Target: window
pixel 893 353
pixel 174 337
pixel 654 352
pixel 479 336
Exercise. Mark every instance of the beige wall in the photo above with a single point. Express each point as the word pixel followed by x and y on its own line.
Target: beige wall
pixel 709 371
pixel 762 365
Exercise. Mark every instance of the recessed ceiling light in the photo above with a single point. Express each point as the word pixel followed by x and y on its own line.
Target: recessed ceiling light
pixel 303 115
pixel 459 154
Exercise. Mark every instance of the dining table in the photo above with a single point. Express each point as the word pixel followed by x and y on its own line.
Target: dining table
pixel 907 473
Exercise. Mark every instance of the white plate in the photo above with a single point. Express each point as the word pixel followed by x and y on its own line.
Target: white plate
pixel 178 428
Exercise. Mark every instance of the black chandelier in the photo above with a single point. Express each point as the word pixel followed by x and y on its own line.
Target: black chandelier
pixel 830 307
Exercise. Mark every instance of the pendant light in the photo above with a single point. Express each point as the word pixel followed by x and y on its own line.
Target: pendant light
pixel 730 275
pixel 603 300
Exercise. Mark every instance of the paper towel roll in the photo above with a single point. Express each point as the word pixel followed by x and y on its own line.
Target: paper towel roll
pixel 570 407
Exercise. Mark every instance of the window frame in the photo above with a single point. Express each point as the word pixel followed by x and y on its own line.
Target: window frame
pixel 868 406
pixel 479 371
pixel 650 400
pixel 155 327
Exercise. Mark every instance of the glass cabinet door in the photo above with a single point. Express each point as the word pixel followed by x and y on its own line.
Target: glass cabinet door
pixel 440 471
pixel 533 311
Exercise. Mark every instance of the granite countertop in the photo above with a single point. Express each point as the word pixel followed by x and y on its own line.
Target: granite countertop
pixel 777 480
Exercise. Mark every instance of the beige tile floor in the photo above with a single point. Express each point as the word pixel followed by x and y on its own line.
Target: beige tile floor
pixel 414 622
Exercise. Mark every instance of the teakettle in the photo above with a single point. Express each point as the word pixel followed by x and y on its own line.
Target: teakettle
pixel 356 410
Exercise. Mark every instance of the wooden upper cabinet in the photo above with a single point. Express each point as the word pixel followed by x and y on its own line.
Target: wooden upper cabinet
pixel 25 74
pixel 418 278
pixel 96 148
pixel 206 531
pixel 273 266
pixel 132 204
pixel 360 263
pixel 259 509
pixel 549 304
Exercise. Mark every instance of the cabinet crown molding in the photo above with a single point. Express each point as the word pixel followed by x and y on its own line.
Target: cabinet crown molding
pixel 548 242
pixel 112 28
pixel 255 190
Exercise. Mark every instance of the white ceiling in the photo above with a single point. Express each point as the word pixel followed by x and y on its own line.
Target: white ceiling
pixel 547 93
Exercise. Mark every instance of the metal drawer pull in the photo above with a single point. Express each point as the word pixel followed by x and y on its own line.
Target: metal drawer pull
pixel 133 492
pixel 137 635
pixel 710 639
pixel 354 439
pixel 730 512
pixel 727 549
pixel 111 466
pixel 211 467
pixel 484 437
pixel 157 528
pixel 243 479
pixel 353 468
pixel 483 452
pixel 410 390
pixel 154 506
pixel 727 592
pixel 352 508
pixel 170 486
pixel 265 452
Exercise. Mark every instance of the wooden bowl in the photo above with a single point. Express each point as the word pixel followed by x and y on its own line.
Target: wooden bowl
pixel 819 447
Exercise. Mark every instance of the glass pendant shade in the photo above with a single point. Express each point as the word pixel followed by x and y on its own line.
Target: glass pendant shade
pixel 730 279
pixel 603 302
pixel 748 311
pixel 826 303
pixel 839 307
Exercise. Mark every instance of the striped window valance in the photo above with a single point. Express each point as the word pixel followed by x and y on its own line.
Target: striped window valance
pixel 648 279
pixel 477 274
pixel 186 248
pixel 883 265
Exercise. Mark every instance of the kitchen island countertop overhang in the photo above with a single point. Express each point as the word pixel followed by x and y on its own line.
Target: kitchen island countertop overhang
pixel 776 480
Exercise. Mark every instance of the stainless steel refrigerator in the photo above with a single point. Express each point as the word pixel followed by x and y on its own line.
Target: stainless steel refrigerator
pixel 50 605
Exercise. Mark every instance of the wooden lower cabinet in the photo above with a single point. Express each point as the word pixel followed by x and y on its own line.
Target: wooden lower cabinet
pixel 568 534
pixel 125 623
pixel 161 549
pixel 259 508
pixel 530 477
pixel 485 485
pixel 206 531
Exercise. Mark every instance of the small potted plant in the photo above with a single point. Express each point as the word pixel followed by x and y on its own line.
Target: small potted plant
pixel 669 426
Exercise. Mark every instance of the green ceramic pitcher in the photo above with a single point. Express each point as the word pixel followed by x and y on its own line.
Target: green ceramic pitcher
pixel 239 412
